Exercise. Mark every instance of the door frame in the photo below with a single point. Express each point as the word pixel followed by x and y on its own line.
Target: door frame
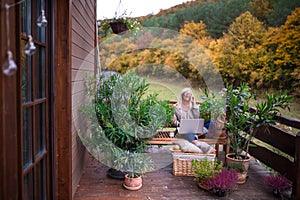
pixel 8 113
pixel 61 105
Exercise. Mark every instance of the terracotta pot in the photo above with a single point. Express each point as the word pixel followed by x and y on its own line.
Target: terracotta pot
pixel 133 183
pixel 202 185
pixel 242 176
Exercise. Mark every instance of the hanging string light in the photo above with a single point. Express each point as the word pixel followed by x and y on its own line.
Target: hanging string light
pixel 29 47
pixel 41 20
pixel 9 66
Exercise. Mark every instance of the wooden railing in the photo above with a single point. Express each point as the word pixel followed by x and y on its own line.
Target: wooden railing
pixel 287 161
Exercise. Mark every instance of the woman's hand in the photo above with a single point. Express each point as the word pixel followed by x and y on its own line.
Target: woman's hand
pixel 174 118
pixel 175 121
pixel 193 100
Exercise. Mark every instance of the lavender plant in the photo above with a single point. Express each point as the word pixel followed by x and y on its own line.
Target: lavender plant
pixel 278 183
pixel 223 182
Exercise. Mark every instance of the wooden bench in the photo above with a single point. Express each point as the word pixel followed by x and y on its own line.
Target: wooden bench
pixel 163 138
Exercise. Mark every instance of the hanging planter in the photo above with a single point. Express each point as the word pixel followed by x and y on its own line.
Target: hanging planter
pixel 120 23
pixel 118 27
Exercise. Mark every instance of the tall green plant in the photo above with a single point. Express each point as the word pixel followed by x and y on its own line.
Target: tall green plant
pixel 212 106
pixel 243 122
pixel 125 115
pixel 121 119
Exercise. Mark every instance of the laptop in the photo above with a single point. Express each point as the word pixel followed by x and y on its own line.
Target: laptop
pixel 191 126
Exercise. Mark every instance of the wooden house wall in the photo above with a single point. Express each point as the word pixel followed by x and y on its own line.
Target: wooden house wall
pixel 83 62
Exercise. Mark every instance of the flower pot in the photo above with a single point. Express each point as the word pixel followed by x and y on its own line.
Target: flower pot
pixel 220 193
pixel 276 193
pixel 242 176
pixel 118 27
pixel 133 183
pixel 113 173
pixel 203 185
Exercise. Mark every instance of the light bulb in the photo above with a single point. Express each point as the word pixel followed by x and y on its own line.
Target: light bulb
pixel 29 47
pixel 9 67
pixel 41 20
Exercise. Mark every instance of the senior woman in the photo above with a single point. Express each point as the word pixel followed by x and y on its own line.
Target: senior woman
pixel 187 108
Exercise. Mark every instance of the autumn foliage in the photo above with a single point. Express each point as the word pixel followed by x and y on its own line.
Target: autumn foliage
pixel 249 49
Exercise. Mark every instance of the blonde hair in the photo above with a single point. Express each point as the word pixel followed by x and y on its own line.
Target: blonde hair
pixel 183 91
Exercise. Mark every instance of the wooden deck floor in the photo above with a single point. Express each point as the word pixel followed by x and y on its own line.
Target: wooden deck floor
pixel 163 185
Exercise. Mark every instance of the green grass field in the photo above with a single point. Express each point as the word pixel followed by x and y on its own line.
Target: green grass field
pixel 170 91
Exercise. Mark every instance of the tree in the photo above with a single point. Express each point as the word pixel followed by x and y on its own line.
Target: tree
pixel 261 9
pixel 238 54
pixel 197 31
pixel 284 44
pixel 282 9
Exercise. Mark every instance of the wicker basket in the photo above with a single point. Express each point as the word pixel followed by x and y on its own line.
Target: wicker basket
pixel 182 162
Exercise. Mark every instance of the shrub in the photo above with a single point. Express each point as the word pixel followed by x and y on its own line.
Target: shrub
pixel 205 168
pixel 278 183
pixel 223 182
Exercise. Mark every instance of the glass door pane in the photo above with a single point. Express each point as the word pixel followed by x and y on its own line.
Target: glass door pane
pixel 41 73
pixel 40 129
pixel 35 102
pixel 27 137
pixel 41 180
pixel 28 186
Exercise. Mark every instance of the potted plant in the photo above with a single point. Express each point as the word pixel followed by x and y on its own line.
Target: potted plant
pixel 212 106
pixel 223 182
pixel 135 165
pixel 278 183
pixel 205 169
pixel 211 176
pixel 125 119
pixel 118 24
pixel 240 169
pixel 243 121
pixel 212 110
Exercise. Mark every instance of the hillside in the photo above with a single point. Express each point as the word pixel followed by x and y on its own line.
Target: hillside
pixel 247 41
pixel 219 14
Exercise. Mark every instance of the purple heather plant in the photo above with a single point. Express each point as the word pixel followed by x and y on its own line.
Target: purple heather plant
pixel 225 181
pixel 278 183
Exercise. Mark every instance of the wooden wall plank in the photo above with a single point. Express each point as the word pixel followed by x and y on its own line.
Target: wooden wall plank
pixel 81 41
pixel 79 29
pixel 88 7
pixel 83 62
pixel 78 63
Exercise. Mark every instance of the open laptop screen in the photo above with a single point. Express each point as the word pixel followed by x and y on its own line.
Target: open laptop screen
pixel 191 126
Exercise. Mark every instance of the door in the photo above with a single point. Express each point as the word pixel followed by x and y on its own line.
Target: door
pixel 34 96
